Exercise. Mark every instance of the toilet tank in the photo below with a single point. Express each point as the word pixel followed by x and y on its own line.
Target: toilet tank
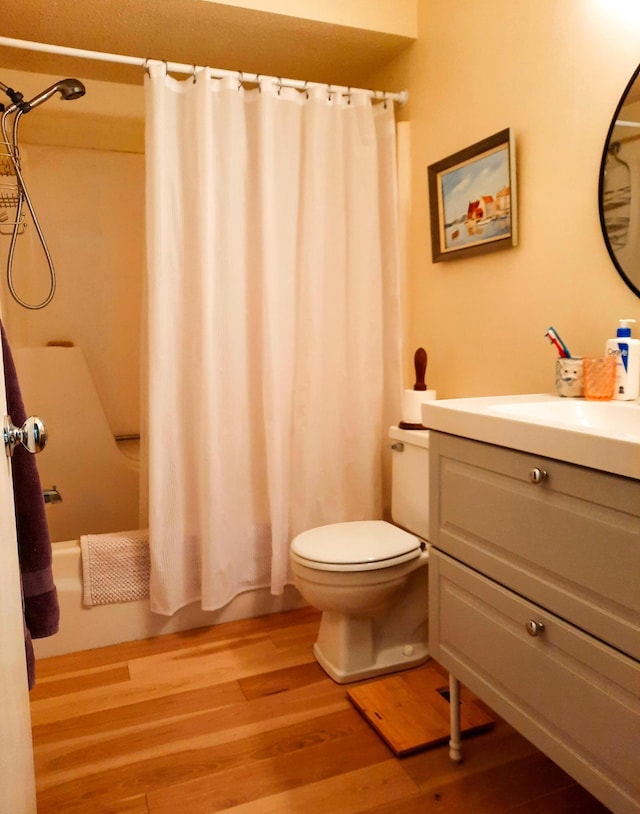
pixel 410 480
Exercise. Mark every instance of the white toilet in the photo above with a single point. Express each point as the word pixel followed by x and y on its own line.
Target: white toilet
pixel 369 578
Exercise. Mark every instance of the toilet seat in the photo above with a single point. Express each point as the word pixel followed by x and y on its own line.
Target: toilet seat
pixel 355 546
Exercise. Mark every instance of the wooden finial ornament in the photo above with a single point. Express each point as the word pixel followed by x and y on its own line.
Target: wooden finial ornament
pixel 420 364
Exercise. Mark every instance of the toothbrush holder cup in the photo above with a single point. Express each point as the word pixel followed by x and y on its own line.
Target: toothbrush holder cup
pixel 599 377
pixel 569 377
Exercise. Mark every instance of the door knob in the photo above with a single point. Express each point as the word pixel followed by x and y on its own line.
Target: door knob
pixel 32 435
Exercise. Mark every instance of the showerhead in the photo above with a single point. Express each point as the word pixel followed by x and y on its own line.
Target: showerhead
pixel 67 88
pixel 71 89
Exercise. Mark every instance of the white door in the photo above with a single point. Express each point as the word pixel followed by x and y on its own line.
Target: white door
pixel 17 783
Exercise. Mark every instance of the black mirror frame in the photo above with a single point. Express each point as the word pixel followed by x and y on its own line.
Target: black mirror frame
pixel 605 234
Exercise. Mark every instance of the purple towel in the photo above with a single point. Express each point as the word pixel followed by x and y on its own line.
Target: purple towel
pixel 40 600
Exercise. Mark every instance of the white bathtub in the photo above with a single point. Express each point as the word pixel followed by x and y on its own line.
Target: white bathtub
pixel 83 628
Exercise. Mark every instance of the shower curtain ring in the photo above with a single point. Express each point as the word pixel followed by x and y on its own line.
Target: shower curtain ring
pixel 258 83
pixel 240 80
pixel 150 59
pixel 329 92
pixel 193 75
pixel 279 85
pixel 305 89
pixel 384 99
pixel 349 95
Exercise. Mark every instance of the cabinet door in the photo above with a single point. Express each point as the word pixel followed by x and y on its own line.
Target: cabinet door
pixel 571 695
pixel 570 542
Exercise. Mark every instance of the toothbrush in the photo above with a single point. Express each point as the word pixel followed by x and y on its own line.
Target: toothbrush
pixel 554 338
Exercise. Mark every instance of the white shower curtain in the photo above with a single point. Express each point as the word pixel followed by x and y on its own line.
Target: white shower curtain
pixel 273 326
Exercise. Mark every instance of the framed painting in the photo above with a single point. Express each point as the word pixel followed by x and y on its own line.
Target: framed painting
pixel 473 201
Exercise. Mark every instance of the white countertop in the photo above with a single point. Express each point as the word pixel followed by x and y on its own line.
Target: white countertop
pixel 600 435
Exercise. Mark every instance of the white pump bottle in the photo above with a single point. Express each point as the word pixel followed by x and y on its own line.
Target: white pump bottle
pixel 627 351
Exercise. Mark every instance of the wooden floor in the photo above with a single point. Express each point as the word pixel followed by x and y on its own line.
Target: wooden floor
pixel 239 718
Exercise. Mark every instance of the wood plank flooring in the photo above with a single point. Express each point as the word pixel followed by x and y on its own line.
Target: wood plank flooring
pixel 239 718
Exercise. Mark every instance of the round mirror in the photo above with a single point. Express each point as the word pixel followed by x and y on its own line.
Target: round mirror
pixel 619 187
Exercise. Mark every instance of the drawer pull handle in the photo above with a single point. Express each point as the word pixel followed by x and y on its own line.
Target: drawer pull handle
pixel 534 628
pixel 537 475
pixel 398 446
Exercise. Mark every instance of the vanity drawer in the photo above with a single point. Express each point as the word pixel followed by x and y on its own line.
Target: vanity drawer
pixel 571 541
pixel 566 692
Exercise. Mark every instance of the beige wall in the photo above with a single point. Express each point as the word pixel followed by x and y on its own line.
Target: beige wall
pixel 90 204
pixel 553 71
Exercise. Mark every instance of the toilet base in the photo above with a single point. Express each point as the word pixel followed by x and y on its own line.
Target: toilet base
pixel 369 630
pixel 352 648
pixel 391 660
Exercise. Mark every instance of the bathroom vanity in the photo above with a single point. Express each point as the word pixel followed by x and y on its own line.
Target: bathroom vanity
pixel 534 578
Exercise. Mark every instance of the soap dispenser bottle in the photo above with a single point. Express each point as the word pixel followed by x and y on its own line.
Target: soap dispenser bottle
pixel 627 351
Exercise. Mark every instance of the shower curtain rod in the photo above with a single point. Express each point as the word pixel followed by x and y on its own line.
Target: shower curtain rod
pixel 178 67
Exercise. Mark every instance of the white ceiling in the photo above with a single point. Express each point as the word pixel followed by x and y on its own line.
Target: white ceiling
pixel 192 32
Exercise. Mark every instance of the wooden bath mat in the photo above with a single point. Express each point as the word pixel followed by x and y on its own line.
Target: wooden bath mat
pixel 410 711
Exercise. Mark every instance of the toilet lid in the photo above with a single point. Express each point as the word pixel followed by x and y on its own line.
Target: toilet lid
pixel 355 545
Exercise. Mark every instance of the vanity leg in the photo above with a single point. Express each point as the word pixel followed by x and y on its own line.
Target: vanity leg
pixel 455 751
